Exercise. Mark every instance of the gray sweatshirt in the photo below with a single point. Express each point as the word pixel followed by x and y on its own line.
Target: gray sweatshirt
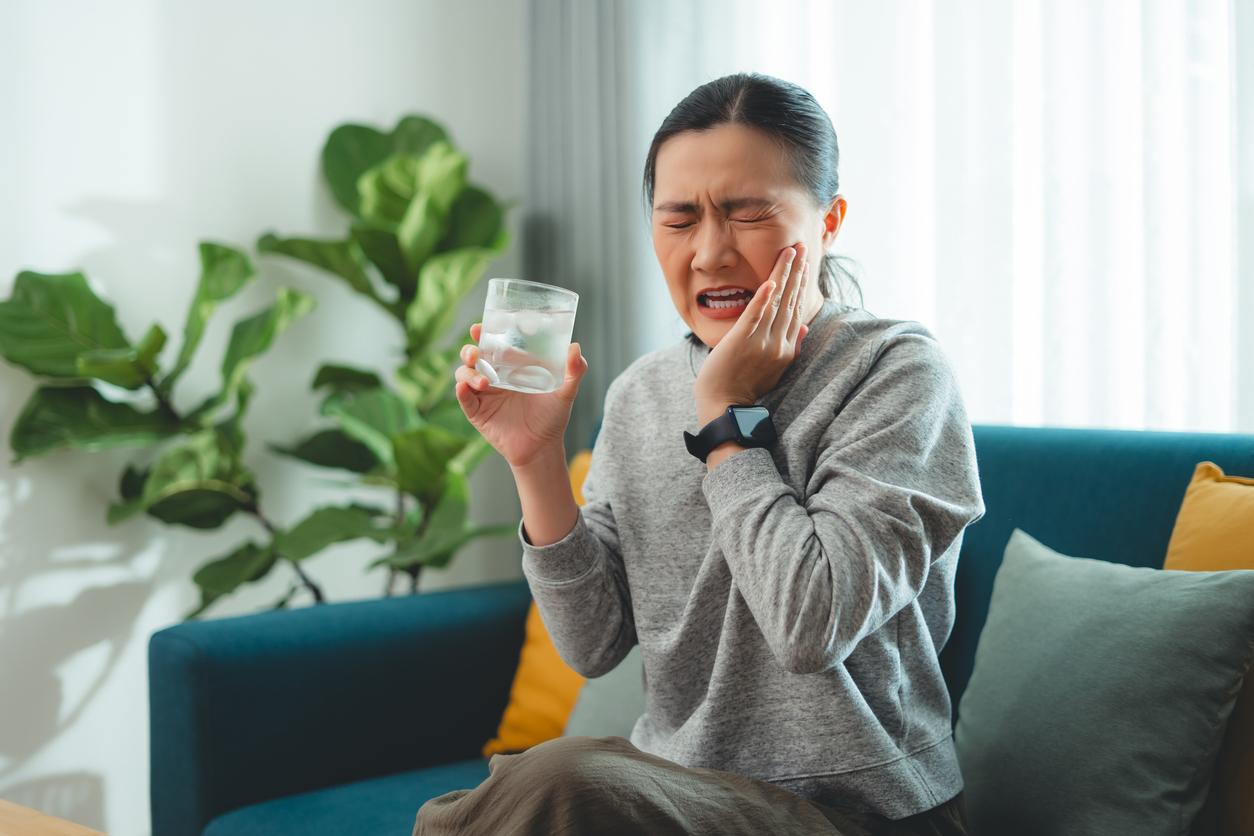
pixel 789 604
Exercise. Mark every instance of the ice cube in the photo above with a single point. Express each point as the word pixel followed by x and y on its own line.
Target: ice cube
pixel 530 322
pixel 497 321
pixel 533 377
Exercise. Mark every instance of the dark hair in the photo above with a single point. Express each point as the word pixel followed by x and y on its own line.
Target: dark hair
pixel 786 113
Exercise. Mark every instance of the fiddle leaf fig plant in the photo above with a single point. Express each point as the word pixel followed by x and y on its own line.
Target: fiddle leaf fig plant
pixel 419 237
pixel 58 328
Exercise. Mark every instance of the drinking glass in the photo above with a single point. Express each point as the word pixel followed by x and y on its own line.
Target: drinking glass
pixel 525 334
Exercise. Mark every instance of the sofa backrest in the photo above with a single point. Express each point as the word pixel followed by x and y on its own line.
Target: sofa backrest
pixel 1098 493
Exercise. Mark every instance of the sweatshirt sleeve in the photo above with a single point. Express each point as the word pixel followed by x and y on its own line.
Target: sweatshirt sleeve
pixel 579 583
pixel 894 484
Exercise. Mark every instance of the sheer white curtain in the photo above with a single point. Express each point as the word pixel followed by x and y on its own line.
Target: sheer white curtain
pixel 1062 191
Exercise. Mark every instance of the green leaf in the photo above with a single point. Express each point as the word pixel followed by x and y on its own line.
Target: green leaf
pixel 471 454
pixel 127 367
pixel 444 280
pixel 232 428
pixel 446 532
pixel 475 220
pixel 223 271
pixel 250 338
pixel 384 251
pixel 331 448
pixel 199 483
pixel 130 487
pixel 439 555
pixel 388 189
pixel 448 415
pixel 344 378
pixel 425 378
pixel 412 197
pixel 372 417
pixel 329 525
pixel 51 319
pixel 352 149
pixel 217 578
pixel 420 228
pixel 79 417
pixel 442 175
pixel 340 258
pixel 422 459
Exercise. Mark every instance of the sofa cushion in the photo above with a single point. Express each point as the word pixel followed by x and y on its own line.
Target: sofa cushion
pixel 384 806
pixel 609 705
pixel 1099 693
pixel 542 696
pixel 1215 530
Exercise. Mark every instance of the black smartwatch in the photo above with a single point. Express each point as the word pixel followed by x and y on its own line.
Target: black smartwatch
pixel 747 425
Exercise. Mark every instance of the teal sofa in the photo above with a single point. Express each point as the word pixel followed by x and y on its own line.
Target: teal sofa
pixel 344 718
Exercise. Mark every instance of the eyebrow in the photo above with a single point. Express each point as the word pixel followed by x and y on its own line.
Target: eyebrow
pixel 729 205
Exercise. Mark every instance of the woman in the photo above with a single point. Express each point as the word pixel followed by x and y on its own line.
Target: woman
pixel 789 594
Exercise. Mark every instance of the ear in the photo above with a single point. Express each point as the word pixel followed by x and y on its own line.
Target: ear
pixel 832 220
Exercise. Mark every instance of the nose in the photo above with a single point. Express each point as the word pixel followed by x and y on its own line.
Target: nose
pixel 713 246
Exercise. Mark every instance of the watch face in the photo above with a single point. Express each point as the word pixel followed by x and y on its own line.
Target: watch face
pixel 754 422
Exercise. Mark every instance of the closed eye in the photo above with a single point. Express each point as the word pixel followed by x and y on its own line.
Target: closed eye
pixel 736 220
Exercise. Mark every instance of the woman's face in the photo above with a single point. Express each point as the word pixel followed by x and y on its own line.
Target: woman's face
pixel 725 204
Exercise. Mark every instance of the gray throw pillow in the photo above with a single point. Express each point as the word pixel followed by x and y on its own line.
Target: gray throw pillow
pixel 610 705
pixel 1099 694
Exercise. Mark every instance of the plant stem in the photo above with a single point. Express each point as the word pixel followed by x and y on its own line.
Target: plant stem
pixel 308 582
pixel 162 400
pixel 305 579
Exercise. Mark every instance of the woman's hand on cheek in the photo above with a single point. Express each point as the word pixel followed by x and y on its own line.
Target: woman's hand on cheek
pixel 751 358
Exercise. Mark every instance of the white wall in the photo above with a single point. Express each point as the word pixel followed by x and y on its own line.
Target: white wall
pixel 129 130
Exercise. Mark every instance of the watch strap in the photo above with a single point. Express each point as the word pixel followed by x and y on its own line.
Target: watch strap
pixel 722 429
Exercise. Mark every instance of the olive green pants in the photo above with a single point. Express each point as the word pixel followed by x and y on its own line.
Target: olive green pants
pixel 604 785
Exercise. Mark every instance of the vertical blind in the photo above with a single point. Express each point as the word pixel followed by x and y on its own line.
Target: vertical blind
pixel 1063 192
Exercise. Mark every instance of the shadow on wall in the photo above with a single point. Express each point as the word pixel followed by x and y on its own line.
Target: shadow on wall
pixel 88 631
pixel 73 588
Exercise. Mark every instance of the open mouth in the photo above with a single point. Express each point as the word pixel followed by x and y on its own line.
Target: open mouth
pixel 728 301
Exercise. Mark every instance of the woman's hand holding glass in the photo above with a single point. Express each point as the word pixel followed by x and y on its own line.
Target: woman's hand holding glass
pixel 520 426
pixel 751 357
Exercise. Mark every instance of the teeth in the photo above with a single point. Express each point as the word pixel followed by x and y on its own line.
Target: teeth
pixel 712 299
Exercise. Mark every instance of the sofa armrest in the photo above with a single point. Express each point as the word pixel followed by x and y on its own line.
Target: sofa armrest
pixel 259 706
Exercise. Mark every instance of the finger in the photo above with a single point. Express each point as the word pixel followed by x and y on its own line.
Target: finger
pixel 788 297
pixel 466 398
pixel 795 297
pixel 804 329
pixel 748 321
pixel 576 363
pixel 780 276
pixel 475 331
pixel 472 378
pixel 576 368
pixel 470 355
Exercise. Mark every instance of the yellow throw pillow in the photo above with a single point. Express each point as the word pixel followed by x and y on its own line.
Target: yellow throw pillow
pixel 1214 531
pixel 545 688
